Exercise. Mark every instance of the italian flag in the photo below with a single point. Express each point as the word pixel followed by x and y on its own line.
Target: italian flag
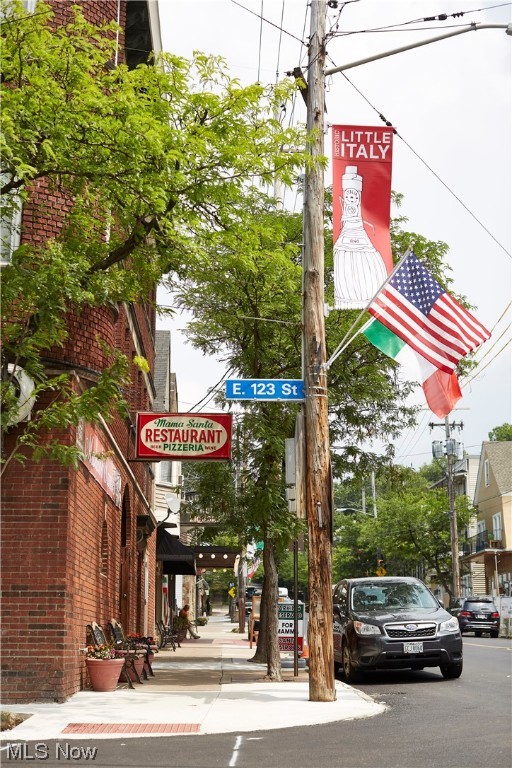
pixel 441 389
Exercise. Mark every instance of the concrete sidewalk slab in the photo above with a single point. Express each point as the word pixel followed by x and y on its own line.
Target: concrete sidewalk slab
pixel 207 686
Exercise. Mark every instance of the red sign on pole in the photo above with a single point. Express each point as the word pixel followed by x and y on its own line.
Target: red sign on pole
pixel 361 192
pixel 184 436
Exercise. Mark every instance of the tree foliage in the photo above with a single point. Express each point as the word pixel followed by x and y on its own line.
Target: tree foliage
pixel 411 532
pixel 501 433
pixel 157 168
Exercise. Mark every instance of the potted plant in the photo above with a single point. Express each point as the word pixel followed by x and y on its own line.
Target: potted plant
pixel 104 665
pixel 201 621
pixel 180 625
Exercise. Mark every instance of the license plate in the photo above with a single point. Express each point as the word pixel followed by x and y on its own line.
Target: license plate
pixel 480 616
pixel 413 647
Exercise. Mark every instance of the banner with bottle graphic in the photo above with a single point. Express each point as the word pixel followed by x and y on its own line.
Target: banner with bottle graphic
pixel 361 191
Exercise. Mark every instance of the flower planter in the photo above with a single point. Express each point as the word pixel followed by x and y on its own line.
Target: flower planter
pixel 104 673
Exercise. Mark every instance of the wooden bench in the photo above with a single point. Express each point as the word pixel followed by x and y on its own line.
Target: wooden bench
pixel 97 637
pixel 168 635
pixel 137 645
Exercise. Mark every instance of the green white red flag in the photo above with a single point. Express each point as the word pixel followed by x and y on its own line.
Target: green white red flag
pixel 417 321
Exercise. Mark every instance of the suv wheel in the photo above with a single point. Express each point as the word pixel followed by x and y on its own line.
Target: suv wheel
pixel 350 673
pixel 494 633
pixel 452 671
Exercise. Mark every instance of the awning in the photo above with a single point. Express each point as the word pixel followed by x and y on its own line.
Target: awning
pixel 176 557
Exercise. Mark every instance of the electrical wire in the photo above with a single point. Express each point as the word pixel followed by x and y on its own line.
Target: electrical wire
pixel 439 17
pixel 397 133
pixel 259 47
pixel 267 21
pixel 280 41
pixel 488 352
pixel 480 370
pixel 213 390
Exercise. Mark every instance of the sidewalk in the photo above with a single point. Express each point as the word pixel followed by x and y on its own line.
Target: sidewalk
pixel 206 686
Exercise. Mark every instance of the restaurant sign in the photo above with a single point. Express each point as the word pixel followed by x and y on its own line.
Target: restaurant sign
pixel 183 436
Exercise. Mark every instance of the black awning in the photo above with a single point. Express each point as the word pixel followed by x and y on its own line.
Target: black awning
pixel 176 557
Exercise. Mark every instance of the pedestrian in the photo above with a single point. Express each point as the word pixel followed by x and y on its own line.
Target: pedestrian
pixel 184 615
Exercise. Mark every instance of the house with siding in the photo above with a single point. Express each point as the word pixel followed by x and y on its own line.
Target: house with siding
pixel 490 546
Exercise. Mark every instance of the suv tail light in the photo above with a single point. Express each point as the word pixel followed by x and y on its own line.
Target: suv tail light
pixel 465 613
pixel 495 615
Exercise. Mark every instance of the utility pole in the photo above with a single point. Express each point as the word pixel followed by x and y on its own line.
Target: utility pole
pixel 451 455
pixel 318 462
pixel 317 449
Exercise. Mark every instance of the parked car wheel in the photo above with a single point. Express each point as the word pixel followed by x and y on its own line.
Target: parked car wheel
pixel 478 634
pixel 494 633
pixel 451 671
pixel 350 673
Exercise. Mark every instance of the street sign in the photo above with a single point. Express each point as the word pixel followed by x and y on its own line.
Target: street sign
pixel 232 592
pixel 265 389
pixel 381 571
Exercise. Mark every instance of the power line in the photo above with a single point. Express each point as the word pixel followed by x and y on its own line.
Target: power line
pixel 259 46
pixel 439 17
pixel 260 16
pixel 396 132
pixel 213 390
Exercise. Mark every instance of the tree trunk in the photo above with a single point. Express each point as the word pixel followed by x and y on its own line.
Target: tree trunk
pixel 260 655
pixel 267 650
pixel 272 639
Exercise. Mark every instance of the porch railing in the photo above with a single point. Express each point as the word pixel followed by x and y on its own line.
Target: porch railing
pixel 482 540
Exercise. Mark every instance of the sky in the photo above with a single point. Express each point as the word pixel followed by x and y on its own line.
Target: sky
pixel 450 102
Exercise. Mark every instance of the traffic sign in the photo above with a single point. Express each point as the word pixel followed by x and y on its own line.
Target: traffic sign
pixel 232 592
pixel 381 571
pixel 265 389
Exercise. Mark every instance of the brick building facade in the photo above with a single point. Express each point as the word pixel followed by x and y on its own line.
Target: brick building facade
pixel 78 545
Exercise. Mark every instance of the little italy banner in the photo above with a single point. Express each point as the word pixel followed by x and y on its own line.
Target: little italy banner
pixel 361 192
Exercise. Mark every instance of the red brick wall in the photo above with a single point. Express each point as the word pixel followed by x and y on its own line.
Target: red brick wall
pixel 54 579
pixel 53 582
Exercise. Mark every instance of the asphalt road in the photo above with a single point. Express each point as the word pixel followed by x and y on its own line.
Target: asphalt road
pixel 429 723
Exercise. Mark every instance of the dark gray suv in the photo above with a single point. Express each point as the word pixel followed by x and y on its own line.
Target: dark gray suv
pixel 478 615
pixel 393 623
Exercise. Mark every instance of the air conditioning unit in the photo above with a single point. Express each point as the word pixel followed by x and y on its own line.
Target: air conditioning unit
pixel 495 544
pixel 24 389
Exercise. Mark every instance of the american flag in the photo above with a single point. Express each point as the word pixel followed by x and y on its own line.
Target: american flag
pixel 417 309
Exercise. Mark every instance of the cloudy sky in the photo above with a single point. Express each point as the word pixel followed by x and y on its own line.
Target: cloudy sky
pixel 450 102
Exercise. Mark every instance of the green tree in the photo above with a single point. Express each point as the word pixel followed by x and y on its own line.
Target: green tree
pixel 412 530
pixel 502 433
pixel 157 166
pixel 253 322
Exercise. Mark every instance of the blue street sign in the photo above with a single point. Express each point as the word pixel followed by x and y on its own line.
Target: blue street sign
pixel 265 389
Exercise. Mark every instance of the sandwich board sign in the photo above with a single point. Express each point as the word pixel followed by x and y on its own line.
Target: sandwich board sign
pixel 285 617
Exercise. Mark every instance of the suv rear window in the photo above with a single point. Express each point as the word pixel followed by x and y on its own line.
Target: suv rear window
pixel 471 605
